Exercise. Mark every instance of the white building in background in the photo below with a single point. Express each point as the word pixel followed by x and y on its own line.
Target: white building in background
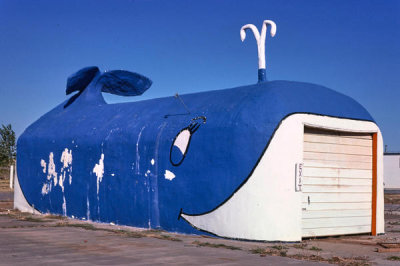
pixel 391 173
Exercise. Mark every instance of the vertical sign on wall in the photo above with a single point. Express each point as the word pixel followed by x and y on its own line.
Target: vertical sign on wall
pixel 299 177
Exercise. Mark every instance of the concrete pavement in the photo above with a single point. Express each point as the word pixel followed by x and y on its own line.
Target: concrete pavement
pixel 47 243
pixel 27 239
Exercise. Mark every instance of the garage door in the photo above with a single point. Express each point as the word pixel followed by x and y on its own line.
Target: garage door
pixel 337 183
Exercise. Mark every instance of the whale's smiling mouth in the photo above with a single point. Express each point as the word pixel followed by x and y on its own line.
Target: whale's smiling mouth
pixel 266 205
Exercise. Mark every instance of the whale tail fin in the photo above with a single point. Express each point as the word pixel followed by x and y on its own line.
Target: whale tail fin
pixel 81 79
pixel 123 83
pixel 119 82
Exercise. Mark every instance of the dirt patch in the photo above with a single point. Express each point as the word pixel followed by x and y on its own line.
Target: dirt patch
pixel 283 252
pixel 35 220
pixel 269 251
pixel 55 217
pixel 213 245
pixel 167 237
pixel 393 258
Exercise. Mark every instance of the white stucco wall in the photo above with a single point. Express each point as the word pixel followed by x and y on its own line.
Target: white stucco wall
pixel 20 202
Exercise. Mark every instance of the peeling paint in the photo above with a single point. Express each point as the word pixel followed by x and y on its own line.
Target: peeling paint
pixel 66 159
pixel 99 171
pixel 44 165
pixel 46 188
pixel 51 170
pixel 169 175
pixel 61 181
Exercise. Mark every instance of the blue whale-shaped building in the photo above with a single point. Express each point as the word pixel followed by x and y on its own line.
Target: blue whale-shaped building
pixel 222 162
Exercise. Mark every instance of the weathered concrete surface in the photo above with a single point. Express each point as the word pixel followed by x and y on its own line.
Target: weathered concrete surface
pixel 33 239
pixel 34 243
pixel 27 239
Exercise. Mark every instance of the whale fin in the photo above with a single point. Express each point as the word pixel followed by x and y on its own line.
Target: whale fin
pixel 81 79
pixel 124 83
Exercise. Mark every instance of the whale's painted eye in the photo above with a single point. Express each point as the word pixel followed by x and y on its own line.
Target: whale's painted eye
pixel 180 145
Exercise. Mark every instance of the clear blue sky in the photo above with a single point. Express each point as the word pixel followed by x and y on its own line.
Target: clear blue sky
pixel 190 46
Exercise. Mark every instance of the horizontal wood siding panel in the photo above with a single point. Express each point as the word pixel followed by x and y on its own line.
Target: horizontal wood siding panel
pixel 338 149
pixel 337 181
pixel 336 189
pixel 337 140
pixel 335 172
pixel 336 213
pixel 352 135
pixel 329 157
pixel 336 197
pixel 337 222
pixel 338 164
pixel 336 231
pixel 336 206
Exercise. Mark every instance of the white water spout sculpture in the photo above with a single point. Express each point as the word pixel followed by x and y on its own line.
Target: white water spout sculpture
pixel 260 44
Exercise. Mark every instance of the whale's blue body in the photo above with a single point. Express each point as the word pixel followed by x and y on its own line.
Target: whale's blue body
pixel 136 140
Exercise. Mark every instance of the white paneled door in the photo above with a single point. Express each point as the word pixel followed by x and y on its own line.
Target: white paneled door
pixel 337 183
